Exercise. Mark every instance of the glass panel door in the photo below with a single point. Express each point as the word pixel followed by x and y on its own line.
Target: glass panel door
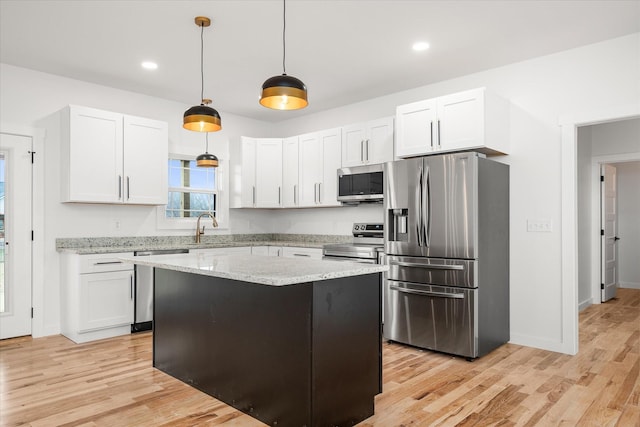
pixel 15 235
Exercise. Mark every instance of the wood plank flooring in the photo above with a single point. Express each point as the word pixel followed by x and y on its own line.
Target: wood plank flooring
pixel 54 382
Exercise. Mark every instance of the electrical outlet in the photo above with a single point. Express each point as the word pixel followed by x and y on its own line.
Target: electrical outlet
pixel 116 224
pixel 539 226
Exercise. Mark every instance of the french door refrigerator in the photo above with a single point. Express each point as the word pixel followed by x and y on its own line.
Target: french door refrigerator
pixel 447 246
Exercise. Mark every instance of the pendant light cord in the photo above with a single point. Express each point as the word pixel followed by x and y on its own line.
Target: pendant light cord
pixel 207 146
pixel 284 29
pixel 202 62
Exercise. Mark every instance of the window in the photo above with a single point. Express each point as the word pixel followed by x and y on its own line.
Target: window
pixel 192 190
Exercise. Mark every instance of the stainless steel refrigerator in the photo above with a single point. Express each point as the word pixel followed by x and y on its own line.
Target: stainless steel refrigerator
pixel 447 246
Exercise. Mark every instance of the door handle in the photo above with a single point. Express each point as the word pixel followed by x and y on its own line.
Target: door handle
pixel 253 195
pixel 426 293
pixel 615 239
pixel 427 266
pixel 362 150
pixel 426 229
pixel 366 141
pixel 128 187
pixel 279 195
pixel 319 192
pixel 439 134
pixel 119 187
pixel 295 198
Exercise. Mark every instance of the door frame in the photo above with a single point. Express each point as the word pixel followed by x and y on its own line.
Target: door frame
pixel 37 136
pixel 569 232
pixel 596 163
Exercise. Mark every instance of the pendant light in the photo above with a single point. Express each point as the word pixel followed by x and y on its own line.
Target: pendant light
pixel 284 92
pixel 202 118
pixel 207 160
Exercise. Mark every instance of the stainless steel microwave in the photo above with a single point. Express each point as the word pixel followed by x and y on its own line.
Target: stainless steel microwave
pixel 361 184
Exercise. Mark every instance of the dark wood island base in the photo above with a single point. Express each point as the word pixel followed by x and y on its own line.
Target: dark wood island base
pixel 306 354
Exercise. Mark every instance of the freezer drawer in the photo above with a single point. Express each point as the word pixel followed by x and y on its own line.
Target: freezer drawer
pixel 432 317
pixel 433 271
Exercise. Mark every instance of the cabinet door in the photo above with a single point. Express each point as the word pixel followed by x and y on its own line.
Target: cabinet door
pixel 461 120
pixel 310 169
pixel 353 141
pixel 260 250
pixel 331 141
pixel 248 172
pixel 268 172
pixel 416 128
pixel 146 146
pixel 379 142
pixel 106 300
pixel 94 156
pixel 275 250
pixel 290 172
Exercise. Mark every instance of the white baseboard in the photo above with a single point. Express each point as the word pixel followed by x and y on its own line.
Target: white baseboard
pixel 541 343
pixel 629 285
pixel 585 304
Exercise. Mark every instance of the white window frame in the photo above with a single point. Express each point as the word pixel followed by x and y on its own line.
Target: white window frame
pixel 222 203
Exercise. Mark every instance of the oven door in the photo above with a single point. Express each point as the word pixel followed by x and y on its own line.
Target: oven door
pixel 433 317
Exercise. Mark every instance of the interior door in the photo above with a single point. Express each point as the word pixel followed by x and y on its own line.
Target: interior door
pixel 15 235
pixel 609 238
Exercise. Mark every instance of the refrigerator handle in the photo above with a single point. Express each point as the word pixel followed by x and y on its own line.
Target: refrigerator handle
pixel 419 197
pixel 427 209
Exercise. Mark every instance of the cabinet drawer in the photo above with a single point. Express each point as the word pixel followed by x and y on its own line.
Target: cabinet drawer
pixel 309 253
pixel 100 263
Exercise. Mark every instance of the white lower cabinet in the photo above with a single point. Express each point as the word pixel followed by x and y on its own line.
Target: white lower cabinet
pixel 97 296
pixel 296 252
pixel 260 250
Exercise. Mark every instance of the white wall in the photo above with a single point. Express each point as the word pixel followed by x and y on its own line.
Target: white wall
pixel 540 90
pixel 629 223
pixel 584 217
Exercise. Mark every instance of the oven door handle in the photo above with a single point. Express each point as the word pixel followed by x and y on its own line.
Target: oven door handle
pixel 426 293
pixel 427 266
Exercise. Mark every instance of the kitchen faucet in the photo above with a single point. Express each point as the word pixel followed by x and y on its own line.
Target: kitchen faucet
pixel 200 232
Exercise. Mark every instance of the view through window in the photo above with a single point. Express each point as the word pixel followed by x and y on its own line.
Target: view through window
pixel 192 190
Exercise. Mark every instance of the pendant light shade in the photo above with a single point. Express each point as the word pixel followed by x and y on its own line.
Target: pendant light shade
pixel 284 92
pixel 207 160
pixel 202 118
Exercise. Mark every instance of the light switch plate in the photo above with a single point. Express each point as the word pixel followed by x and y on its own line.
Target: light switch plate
pixel 539 226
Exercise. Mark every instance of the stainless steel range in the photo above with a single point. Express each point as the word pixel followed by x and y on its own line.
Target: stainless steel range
pixel 367 245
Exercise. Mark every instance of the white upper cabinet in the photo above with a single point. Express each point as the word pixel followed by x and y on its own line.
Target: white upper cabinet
pixel 331 141
pixel 268 172
pixel 113 158
pixel 319 159
pixel 145 163
pixel 310 169
pixel 290 172
pixel 257 173
pixel 367 143
pixel 472 120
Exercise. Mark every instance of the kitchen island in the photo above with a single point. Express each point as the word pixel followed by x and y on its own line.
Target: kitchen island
pixel 289 342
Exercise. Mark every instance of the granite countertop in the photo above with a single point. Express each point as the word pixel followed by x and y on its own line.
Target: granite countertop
pixel 104 245
pixel 273 271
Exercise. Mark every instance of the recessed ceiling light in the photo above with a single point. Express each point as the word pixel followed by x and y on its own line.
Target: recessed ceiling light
pixel 420 46
pixel 148 65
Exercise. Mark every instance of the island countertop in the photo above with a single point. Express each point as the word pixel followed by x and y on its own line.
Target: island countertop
pixel 265 270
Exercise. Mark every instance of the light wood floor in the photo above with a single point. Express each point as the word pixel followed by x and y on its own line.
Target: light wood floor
pixel 53 382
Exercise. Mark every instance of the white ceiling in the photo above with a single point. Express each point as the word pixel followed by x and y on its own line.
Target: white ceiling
pixel 344 50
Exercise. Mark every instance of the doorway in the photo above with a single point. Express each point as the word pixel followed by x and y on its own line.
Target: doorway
pixel 16 190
